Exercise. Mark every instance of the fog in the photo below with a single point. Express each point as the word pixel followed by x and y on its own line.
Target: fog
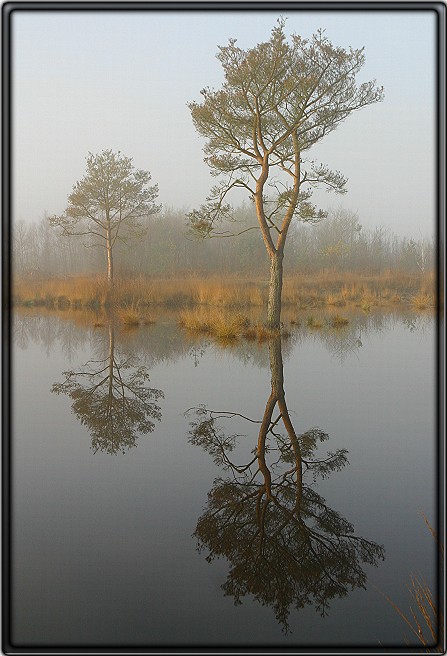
pixel 84 81
pixel 339 242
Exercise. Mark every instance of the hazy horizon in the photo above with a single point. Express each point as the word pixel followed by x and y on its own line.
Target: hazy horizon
pixel 93 80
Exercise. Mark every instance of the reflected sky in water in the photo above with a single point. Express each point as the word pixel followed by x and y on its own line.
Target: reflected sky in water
pixel 105 538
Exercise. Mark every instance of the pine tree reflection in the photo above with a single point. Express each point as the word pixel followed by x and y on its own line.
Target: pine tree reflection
pixel 285 545
pixel 111 399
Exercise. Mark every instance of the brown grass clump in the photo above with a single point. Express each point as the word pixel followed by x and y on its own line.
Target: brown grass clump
pixel 224 325
pixel 195 320
pixel 338 321
pixel 130 318
pixel 422 301
pixel 350 292
pixel 335 300
pixel 367 301
pixel 312 322
pixel 130 315
pixel 229 327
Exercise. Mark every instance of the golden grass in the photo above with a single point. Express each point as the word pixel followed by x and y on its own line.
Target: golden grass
pixel 366 302
pixel 337 300
pixel 422 301
pixel 130 316
pixel 328 288
pixel 338 321
pixel 77 292
pixel 224 293
pixel 223 325
pixel 313 322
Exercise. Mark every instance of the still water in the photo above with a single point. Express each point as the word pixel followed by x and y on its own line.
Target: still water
pixel 170 491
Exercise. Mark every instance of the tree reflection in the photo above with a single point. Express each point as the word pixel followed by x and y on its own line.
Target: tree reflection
pixel 285 545
pixel 111 398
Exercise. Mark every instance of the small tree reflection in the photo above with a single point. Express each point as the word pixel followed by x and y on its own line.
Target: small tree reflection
pixel 285 545
pixel 112 400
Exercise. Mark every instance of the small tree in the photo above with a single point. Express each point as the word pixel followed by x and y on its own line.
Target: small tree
pixel 278 100
pixel 109 204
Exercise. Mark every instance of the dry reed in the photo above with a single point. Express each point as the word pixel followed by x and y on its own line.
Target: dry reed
pixel 329 288
pixel 223 325
pixel 425 617
pixel 422 301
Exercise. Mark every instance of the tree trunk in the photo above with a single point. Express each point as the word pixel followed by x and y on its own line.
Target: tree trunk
pixel 109 295
pixel 109 265
pixel 275 290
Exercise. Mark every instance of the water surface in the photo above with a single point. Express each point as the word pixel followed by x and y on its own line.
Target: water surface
pixel 275 512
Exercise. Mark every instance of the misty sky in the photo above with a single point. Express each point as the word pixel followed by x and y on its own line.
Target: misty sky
pixel 94 80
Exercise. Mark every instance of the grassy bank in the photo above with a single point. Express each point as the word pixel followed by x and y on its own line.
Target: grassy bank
pixel 326 289
pixel 224 324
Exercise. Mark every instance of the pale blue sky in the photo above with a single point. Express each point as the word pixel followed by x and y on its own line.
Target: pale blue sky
pixel 93 80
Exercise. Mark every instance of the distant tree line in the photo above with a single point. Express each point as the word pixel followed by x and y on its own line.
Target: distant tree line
pixel 167 249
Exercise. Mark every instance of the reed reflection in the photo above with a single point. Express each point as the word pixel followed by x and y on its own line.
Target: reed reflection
pixel 112 400
pixel 284 544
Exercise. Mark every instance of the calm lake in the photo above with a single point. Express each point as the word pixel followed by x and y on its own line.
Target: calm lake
pixel 170 491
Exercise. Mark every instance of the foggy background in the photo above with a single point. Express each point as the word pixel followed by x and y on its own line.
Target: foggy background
pixel 93 80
